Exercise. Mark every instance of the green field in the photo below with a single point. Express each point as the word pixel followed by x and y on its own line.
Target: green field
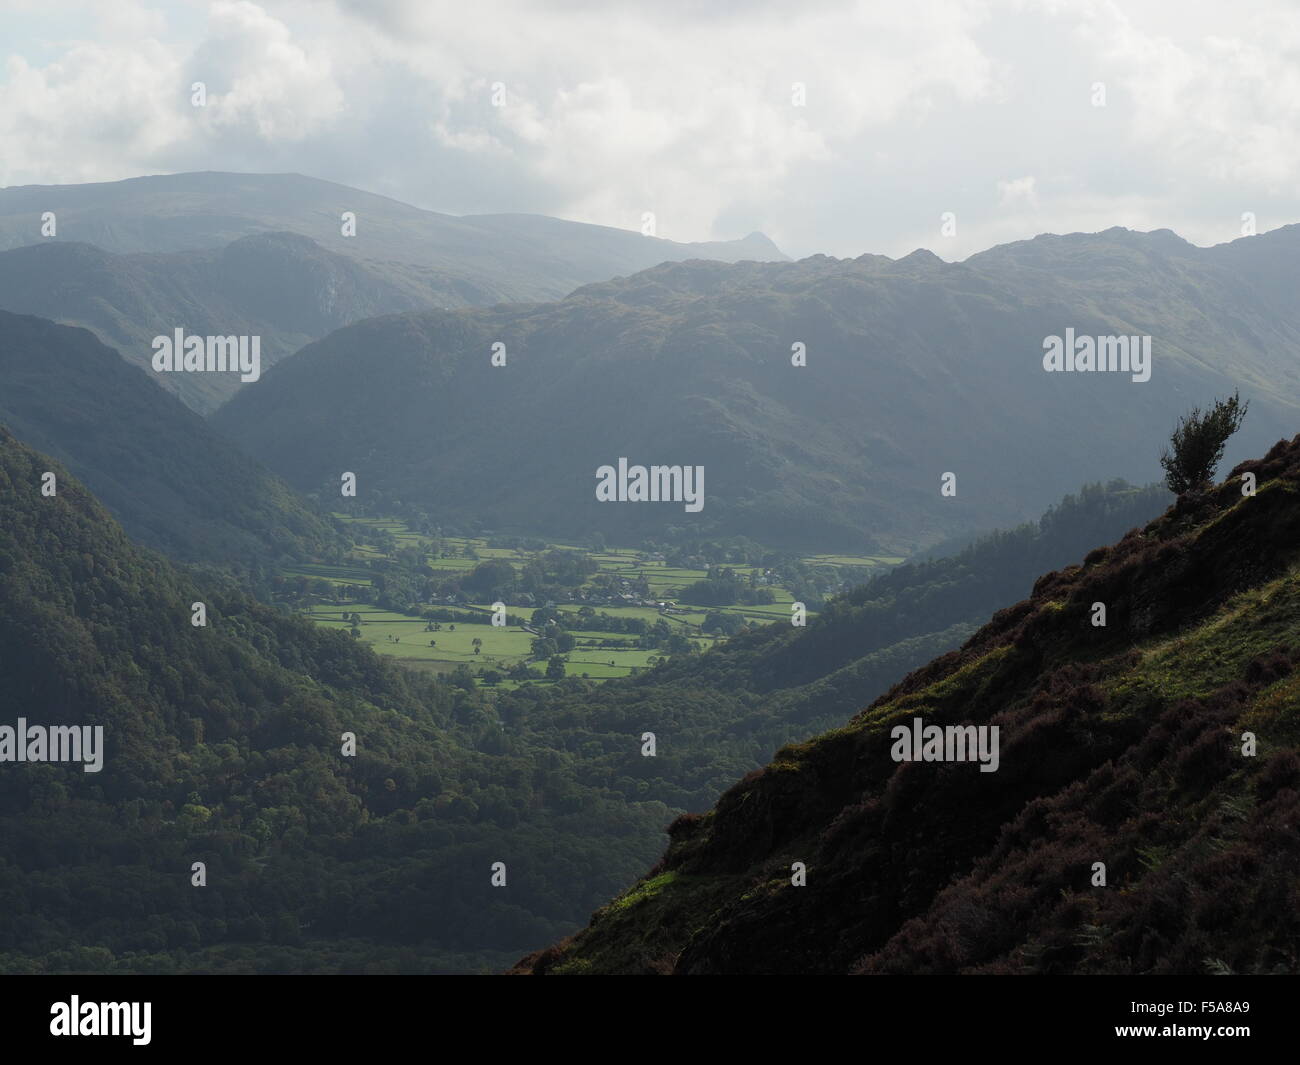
pixel 405 638
pixel 857 560
pixel 402 637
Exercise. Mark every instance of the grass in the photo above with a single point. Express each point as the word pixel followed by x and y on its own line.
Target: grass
pixel 383 629
pixel 405 638
pixel 1217 651
pixel 854 560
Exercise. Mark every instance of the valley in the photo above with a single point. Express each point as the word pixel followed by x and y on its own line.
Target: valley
pixel 363 607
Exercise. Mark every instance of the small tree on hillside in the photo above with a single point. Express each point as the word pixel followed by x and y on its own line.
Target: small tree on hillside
pixel 1198 444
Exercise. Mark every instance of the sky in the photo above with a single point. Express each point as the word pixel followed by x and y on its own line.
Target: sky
pixel 835 128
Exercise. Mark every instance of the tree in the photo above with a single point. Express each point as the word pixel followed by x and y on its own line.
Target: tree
pixel 727 624
pixel 555 668
pixel 1198 444
pixel 494 577
pixel 477 645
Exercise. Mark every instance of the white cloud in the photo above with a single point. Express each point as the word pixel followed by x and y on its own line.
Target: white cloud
pixel 260 80
pixel 1018 191
pixel 98 111
pixel 912 110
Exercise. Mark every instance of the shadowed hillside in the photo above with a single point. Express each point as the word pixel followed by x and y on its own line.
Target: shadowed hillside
pixel 281 287
pixel 164 473
pixel 1122 744
pixel 223 744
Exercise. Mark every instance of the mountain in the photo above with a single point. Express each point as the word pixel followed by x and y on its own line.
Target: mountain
pixel 172 481
pixel 216 254
pixel 284 288
pixel 916 368
pixel 1140 815
pixel 492 258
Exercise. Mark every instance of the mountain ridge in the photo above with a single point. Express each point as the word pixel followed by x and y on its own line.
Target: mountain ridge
pixel 208 247
pixel 180 212
pixel 914 368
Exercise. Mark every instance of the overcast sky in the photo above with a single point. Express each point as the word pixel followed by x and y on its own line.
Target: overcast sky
pixel 913 108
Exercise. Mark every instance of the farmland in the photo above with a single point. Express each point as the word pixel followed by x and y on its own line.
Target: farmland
pixel 421 600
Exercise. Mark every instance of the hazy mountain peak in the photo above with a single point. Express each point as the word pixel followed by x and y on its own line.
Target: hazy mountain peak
pixel 503 257
pixel 760 242
pixel 921 257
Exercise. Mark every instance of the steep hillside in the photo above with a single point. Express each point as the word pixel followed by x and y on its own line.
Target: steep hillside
pixel 284 288
pixel 1123 744
pixel 473 259
pixel 173 482
pixel 915 368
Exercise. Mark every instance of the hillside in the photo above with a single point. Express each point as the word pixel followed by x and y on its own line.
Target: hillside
pixel 285 288
pixel 915 368
pixel 1122 744
pixel 171 480
pixel 469 260
pixel 222 744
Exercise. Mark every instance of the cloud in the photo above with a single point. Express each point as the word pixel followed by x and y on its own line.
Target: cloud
pixel 832 127
pixel 260 82
pixel 1018 191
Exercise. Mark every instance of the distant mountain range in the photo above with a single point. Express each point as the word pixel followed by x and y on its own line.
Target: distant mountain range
pixel 215 253
pixel 915 368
